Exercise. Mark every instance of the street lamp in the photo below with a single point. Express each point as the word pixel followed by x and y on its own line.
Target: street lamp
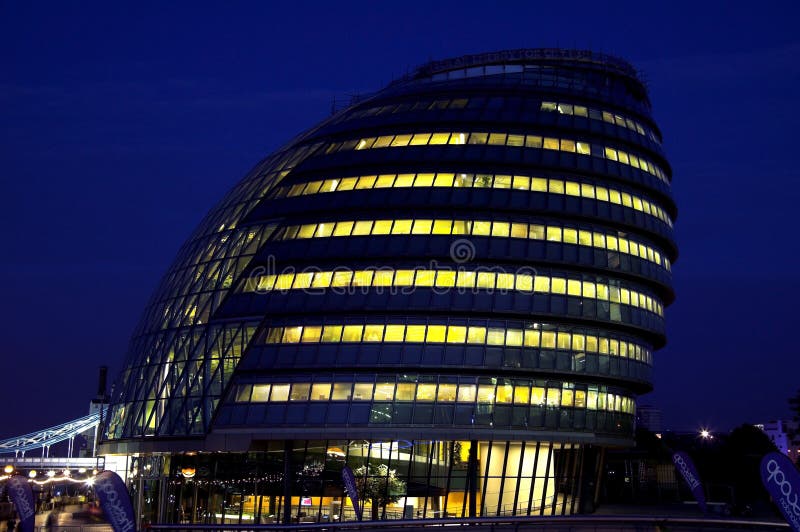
pixel 706 434
pixel 8 469
pixel 32 473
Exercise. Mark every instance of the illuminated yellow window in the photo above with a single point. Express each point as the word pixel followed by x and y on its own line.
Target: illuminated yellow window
pixel 502 181
pixel 415 333
pixel 322 279
pixel 505 281
pixel 426 391
pixel 445 279
pixel 580 399
pixel 548 340
pixel 401 140
pixel 611 243
pixel 394 333
pixel 324 230
pixel 420 139
pixel 589 289
pixel 624 245
pixel 615 197
pixel 439 138
pixel 524 282
pixel 320 391
pixel 422 227
pixel 602 193
pixel 384 391
pixel 446 393
pixel 613 346
pixel 443 180
pixel 404 180
pixel 573 287
pixel 307 231
pixel 300 391
pixel 313 187
pixel 551 143
pixel 366 182
pixel 495 336
pixel 532 338
pixel 436 333
pixel 362 227
pixel 627 200
pixel 558 285
pixel 570 236
pixel 402 227
pixel 274 335
pixel 260 393
pixel 481 228
pixel 373 333
pixel 384 181
pixel 478 138
pixel 458 138
pixel 554 234
pixel 602 292
pixel 467 393
pixel 599 240
pixel 514 337
pixel 563 340
pixel 406 391
pixel 519 230
pixel 623 157
pixel 541 283
pixel 284 281
pixel 462 227
pixel 591 400
pixel 456 334
pixel 296 190
pixel 497 139
pixel 553 397
pixel 537 395
pixel 352 333
pixel 266 282
pixel 591 343
pixel 578 342
pixel 302 280
pixel 425 278
pixel 486 280
pixel 424 180
pixel 381 227
pixel 341 278
pixel 555 186
pixel 522 395
pixel 404 278
pixel 332 333
pixel 549 106
pixel 486 393
pixel 343 229
pixel 476 335
pixel 567 398
pixel 291 335
pixel 280 392
pixel 329 185
pixel 611 154
pixel 516 140
pixel 522 182
pixel 572 188
pixel 504 394
pixel 602 346
pixel 501 229
pixel 465 279
pixel 348 183
pixel 362 391
pixel 568 145
pixel 583 148
pixel 442 227
pixel 539 184
pixel 581 111
pixel 342 391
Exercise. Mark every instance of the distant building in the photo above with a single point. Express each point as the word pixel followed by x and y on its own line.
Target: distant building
pixel 649 417
pixel 777 431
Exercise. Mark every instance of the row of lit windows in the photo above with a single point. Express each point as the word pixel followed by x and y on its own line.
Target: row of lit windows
pixel 500 139
pixel 485 394
pixel 595 114
pixel 550 233
pixel 463 279
pixel 498 102
pixel 457 334
pixel 517 182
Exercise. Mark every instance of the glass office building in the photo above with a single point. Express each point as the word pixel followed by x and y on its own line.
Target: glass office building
pixel 454 286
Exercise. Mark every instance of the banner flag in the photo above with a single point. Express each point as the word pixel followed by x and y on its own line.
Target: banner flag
pixel 782 480
pixel 21 494
pixel 350 485
pixel 115 501
pixel 686 468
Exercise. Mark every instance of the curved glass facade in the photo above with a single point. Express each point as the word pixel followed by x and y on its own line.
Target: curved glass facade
pixel 454 287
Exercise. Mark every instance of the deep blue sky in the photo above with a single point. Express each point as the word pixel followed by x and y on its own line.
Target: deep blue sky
pixel 122 124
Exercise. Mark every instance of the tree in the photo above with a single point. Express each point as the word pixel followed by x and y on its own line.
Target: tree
pixel 378 484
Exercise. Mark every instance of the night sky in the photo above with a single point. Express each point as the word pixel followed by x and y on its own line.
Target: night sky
pixel 122 124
